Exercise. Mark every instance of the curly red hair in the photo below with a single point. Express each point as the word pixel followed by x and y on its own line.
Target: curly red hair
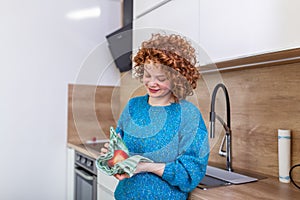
pixel 177 54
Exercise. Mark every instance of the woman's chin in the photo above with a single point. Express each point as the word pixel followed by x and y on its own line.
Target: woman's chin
pixel 154 95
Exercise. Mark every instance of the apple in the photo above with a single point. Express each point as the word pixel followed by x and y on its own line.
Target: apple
pixel 119 155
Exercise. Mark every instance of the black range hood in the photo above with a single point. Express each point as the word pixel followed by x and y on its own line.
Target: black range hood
pixel 120 46
pixel 120 41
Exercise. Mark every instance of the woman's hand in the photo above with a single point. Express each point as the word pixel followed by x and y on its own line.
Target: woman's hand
pixel 104 150
pixel 121 176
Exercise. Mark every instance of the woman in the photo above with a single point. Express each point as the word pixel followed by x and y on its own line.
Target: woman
pixel 162 125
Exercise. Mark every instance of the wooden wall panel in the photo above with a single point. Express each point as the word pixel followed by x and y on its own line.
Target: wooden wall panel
pixel 263 100
pixel 91 112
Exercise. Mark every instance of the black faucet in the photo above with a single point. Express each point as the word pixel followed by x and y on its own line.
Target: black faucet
pixel 226 126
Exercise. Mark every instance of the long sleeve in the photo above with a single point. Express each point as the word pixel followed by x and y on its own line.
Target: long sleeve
pixel 189 168
pixel 123 117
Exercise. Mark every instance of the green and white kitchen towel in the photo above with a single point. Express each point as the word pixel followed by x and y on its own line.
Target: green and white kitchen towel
pixel 126 166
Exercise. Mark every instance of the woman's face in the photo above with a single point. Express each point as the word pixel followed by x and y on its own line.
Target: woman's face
pixel 157 83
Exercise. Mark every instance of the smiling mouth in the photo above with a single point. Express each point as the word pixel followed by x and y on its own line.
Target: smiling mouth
pixel 153 90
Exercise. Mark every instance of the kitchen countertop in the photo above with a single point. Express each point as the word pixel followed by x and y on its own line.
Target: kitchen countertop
pixel 83 149
pixel 268 188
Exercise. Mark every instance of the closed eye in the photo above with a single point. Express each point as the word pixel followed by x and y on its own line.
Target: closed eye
pixel 161 79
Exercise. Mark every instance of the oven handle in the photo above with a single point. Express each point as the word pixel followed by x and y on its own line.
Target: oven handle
pixel 86 177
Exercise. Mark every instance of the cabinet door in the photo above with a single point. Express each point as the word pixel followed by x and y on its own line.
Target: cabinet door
pixel 106 186
pixel 158 21
pixel 70 173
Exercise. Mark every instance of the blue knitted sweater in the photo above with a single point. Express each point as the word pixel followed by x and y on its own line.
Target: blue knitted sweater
pixel 173 134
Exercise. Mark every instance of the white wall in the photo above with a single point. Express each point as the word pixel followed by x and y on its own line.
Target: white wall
pixel 227 29
pixel 41 52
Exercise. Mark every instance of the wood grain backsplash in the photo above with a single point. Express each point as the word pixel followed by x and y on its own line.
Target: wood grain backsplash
pixel 263 100
pixel 91 112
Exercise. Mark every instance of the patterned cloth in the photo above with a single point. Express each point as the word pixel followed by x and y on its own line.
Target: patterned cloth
pixel 126 166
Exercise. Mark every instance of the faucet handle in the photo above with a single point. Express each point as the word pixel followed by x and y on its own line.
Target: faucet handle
pixel 212 119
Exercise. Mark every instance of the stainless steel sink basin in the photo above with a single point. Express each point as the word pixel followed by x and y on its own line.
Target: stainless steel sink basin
pixel 211 182
pixel 216 177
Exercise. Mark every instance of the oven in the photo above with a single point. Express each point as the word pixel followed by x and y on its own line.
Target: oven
pixel 85 187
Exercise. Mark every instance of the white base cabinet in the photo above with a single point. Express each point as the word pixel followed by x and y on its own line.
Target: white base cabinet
pixel 106 186
pixel 70 173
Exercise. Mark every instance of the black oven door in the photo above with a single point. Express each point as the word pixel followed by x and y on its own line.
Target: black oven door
pixel 85 185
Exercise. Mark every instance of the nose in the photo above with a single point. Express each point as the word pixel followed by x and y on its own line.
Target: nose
pixel 152 83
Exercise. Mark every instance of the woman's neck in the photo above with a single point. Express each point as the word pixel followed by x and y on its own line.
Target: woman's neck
pixel 160 101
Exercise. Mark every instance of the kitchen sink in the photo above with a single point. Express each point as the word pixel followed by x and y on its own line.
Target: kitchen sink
pixel 211 182
pixel 216 177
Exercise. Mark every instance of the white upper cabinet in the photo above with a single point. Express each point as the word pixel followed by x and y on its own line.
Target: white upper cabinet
pixel 224 30
pixel 176 16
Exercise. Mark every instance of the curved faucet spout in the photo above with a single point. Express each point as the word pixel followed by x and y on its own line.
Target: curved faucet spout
pixel 226 126
pixel 212 107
